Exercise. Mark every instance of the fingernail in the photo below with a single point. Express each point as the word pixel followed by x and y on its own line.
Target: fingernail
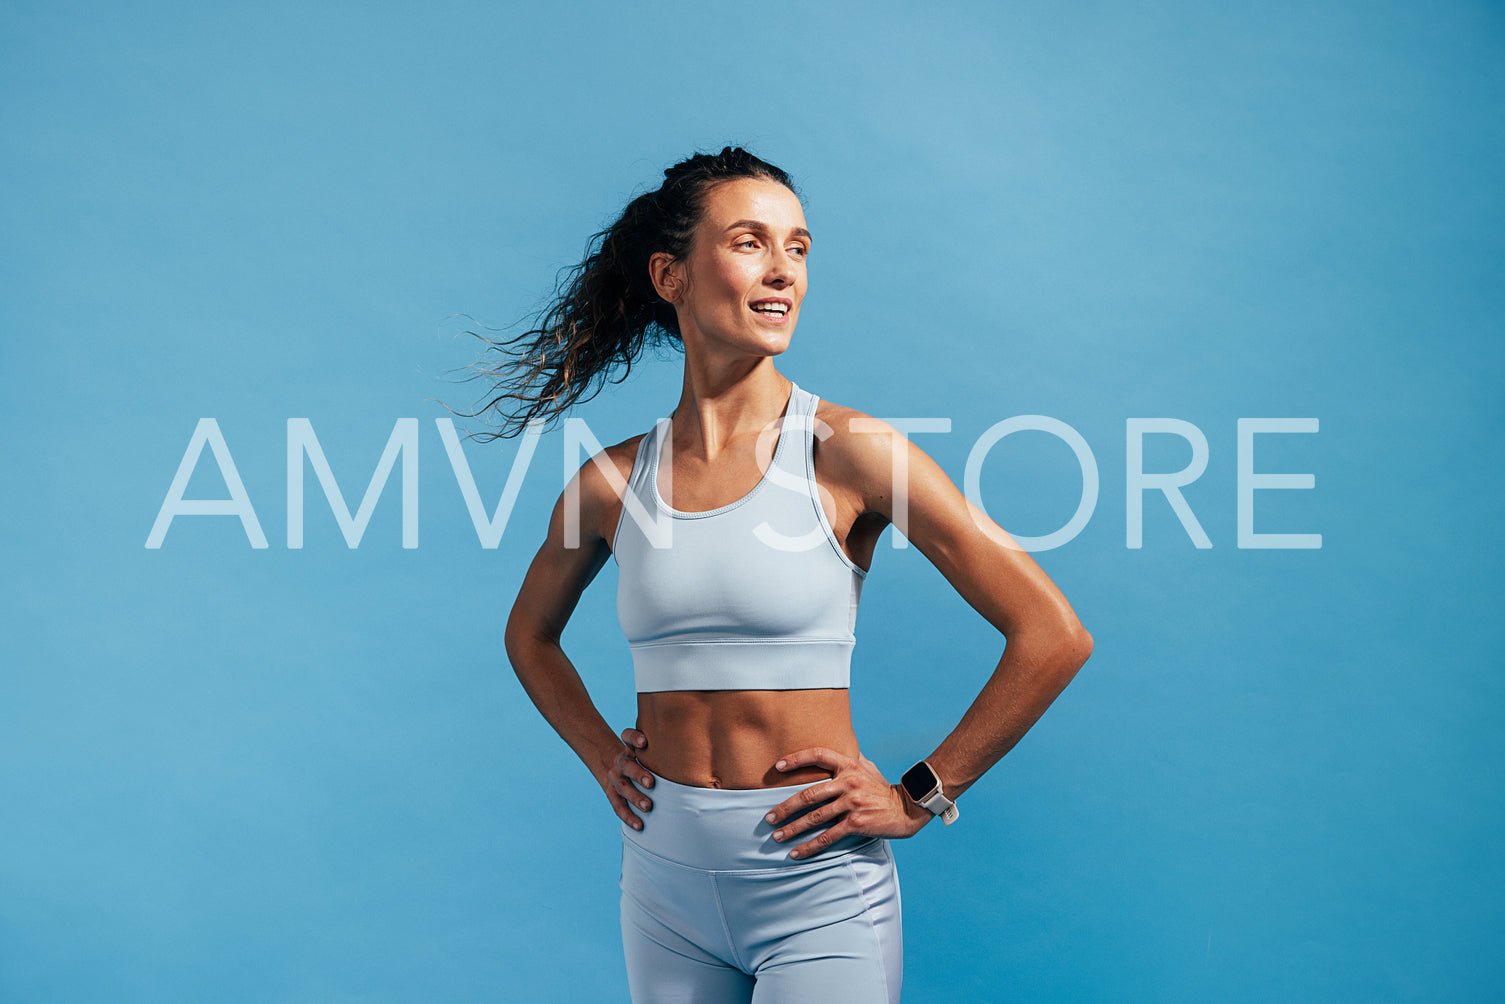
pixel 643 804
pixel 778 835
pixel 782 764
pixel 769 817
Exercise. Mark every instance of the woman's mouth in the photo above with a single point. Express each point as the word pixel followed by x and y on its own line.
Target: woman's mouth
pixel 774 310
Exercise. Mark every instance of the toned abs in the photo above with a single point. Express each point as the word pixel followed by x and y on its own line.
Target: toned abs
pixel 733 738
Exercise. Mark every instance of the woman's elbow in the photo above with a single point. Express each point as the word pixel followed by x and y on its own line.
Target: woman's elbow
pixel 526 637
pixel 1080 646
pixel 511 644
pixel 517 638
pixel 1070 645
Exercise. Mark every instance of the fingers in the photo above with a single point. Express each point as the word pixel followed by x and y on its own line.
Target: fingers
pixel 635 740
pixel 829 759
pixel 809 821
pixel 624 796
pixel 627 766
pixel 623 785
pixel 625 773
pixel 822 841
pixel 838 763
pixel 625 776
pixel 802 800
pixel 623 810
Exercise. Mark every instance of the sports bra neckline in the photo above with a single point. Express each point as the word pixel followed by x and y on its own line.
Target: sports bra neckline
pixel 664 429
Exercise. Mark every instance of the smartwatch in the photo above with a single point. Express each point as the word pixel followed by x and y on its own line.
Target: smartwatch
pixel 923 785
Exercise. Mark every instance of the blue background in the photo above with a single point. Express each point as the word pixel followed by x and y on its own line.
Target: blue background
pixel 310 775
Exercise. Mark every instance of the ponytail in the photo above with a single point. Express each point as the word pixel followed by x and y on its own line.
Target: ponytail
pixel 606 311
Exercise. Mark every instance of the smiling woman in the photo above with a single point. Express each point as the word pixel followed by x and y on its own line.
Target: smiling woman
pixel 753 243
pixel 756 864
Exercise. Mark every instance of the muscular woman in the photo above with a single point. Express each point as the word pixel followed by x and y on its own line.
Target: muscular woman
pixel 756 862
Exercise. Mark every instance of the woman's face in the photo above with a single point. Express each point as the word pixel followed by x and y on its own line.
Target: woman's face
pixel 744 279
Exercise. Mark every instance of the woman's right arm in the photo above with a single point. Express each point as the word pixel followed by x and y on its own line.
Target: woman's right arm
pixel 550 590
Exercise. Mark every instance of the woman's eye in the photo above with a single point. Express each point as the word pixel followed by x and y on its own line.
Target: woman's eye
pixel 799 251
pixel 747 242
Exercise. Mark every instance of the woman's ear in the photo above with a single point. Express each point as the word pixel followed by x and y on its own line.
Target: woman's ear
pixel 667 273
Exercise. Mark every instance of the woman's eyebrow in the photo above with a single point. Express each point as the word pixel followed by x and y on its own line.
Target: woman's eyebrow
pixel 762 228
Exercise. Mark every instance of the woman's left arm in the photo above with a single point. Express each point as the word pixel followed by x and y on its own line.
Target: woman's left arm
pixel 1045 643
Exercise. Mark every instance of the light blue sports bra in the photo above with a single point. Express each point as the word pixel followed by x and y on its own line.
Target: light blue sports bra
pixel 755 595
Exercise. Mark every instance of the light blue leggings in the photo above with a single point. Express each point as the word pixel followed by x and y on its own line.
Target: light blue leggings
pixel 714 909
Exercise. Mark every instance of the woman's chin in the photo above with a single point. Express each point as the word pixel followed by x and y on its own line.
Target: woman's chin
pixel 776 343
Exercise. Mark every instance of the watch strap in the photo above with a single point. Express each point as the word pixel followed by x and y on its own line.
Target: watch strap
pixel 940 805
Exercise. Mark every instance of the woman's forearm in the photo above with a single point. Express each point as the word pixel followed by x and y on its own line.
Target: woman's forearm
pixel 557 691
pixel 1036 666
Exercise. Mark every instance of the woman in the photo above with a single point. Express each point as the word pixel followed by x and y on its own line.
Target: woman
pixel 756 863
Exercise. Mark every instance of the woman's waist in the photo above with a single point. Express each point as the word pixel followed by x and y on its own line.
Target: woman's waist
pixel 734 739
pixel 725 829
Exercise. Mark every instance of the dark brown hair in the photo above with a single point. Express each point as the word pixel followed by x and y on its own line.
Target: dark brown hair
pixel 605 311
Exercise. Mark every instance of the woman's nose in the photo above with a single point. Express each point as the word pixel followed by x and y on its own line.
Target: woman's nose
pixel 781 268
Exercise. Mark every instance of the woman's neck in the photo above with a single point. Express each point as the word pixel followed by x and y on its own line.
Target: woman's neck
pixel 715 412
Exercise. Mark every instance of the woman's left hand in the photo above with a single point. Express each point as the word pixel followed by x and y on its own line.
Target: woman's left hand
pixel 858 798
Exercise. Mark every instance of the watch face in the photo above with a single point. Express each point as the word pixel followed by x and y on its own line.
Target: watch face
pixel 920 781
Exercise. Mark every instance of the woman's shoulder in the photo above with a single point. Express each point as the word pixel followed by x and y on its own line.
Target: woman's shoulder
pixel 875 464
pixel 852 446
pixel 596 471
pixel 596 491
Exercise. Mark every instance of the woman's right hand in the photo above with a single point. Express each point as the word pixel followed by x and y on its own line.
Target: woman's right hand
pixel 624 776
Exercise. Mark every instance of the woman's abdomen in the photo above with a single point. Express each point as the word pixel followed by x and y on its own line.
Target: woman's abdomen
pixel 733 738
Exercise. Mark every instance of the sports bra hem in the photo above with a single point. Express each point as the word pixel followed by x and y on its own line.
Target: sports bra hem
pixel 744 640
pixel 752 665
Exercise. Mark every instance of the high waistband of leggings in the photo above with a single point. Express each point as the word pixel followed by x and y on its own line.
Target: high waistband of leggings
pixel 724 829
